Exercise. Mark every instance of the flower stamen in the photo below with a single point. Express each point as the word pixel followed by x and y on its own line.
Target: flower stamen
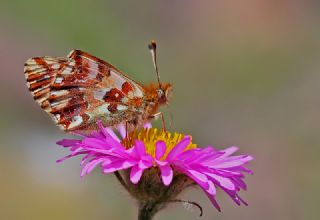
pixel 151 136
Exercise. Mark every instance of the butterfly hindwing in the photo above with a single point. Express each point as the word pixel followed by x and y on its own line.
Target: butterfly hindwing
pixel 80 89
pixel 40 73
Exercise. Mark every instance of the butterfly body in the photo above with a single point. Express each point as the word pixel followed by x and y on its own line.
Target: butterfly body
pixel 80 89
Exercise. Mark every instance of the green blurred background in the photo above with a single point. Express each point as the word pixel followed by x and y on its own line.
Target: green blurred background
pixel 245 73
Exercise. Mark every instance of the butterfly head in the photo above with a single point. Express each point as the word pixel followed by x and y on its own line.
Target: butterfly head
pixel 158 94
pixel 164 93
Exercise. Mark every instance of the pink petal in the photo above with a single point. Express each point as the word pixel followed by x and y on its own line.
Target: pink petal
pixel 95 143
pixel 135 174
pixel 119 165
pixel 71 155
pixel 236 198
pixel 144 164
pixel 241 184
pixel 179 148
pixel 85 158
pixel 166 174
pixel 140 148
pixel 108 160
pixel 189 155
pixel 214 202
pixel 203 184
pixel 212 188
pixel 230 150
pixel 147 125
pixel 97 150
pixel 203 155
pixel 68 142
pixel 161 163
pixel 112 134
pixel 228 162
pixel 110 141
pixel 223 181
pixel 200 176
pixel 90 166
pixel 122 130
pixel 160 149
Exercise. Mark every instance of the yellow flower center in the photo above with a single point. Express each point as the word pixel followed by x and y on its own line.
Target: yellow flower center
pixel 151 136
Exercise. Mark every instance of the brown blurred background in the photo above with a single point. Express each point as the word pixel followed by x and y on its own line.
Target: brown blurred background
pixel 245 73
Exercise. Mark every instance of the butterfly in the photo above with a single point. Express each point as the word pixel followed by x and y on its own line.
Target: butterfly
pixel 80 89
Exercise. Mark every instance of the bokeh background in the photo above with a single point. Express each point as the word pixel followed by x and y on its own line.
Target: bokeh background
pixel 245 73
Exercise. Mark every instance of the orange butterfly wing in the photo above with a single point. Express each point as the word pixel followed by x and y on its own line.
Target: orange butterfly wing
pixel 80 89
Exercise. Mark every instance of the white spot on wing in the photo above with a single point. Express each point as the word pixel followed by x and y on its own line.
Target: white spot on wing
pixel 99 94
pixel 38 90
pixel 31 62
pixel 93 70
pixel 66 71
pixel 102 110
pixel 58 80
pixel 130 95
pixel 124 100
pixel 137 91
pixel 56 66
pixel 118 80
pixel 122 107
pixel 76 121
pixel 41 99
pixel 62 127
pixel 59 92
pixel 61 104
pixel 57 116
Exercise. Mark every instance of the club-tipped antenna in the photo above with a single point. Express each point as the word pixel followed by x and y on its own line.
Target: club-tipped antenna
pixel 153 50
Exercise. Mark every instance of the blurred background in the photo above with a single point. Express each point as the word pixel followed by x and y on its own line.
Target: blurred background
pixel 245 73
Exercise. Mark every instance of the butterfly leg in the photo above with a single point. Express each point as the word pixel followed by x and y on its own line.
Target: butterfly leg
pixel 156 115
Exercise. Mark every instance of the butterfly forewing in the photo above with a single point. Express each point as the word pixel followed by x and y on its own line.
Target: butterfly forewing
pixel 80 89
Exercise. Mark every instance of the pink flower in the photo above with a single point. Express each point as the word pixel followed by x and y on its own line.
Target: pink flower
pixel 172 153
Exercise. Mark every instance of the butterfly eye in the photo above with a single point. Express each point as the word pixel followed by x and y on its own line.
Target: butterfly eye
pixel 160 93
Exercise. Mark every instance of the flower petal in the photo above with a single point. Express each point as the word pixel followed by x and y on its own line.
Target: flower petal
pixel 71 155
pixel 90 166
pixel 135 174
pixel 166 174
pixel 140 148
pixel 179 148
pixel 213 201
pixel 144 164
pixel 160 149
pixel 118 165
pixel 223 181
pixel 112 134
pixel 200 176
pixel 122 130
pixel 68 142
pixel 108 137
pixel 228 162
pixel 230 150
pixel 95 143
pixel 147 125
pixel 212 188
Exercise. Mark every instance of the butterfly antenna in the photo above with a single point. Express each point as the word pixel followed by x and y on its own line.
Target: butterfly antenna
pixel 153 50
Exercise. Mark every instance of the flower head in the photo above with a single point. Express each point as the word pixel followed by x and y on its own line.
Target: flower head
pixel 157 159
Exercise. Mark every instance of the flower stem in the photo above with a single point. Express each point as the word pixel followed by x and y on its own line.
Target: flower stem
pixel 120 179
pixel 147 210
